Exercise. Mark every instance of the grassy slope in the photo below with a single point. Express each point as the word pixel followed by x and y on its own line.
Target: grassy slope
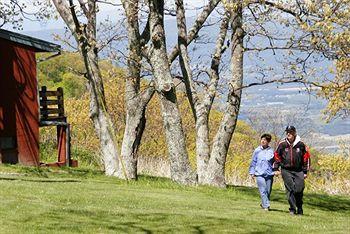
pixel 43 201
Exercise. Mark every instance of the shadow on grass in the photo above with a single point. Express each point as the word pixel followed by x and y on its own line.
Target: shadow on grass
pixel 45 172
pixel 149 222
pixel 41 180
pixel 153 178
pixel 278 210
pixel 327 203
pixel 317 201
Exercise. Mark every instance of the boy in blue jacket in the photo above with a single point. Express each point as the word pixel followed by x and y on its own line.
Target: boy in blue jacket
pixel 261 169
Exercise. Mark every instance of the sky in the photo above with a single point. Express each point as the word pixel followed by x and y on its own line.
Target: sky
pixel 106 10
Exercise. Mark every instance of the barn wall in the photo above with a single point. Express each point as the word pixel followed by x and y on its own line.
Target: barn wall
pixel 19 116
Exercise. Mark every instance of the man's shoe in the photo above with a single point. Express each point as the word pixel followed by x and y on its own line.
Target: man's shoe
pixel 292 212
pixel 300 211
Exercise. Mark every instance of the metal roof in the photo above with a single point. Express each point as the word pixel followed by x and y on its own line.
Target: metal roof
pixel 39 45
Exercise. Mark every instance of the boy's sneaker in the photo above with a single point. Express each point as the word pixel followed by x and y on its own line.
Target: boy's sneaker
pixel 264 208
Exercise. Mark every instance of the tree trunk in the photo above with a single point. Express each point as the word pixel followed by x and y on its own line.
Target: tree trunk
pixel 203 111
pixel 180 167
pixel 202 145
pixel 200 106
pixel 134 128
pixel 198 110
pixel 135 102
pixel 216 167
pixel 100 117
pixel 86 41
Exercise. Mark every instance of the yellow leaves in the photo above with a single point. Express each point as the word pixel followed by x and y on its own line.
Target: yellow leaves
pixel 343 65
pixel 327 10
pixel 304 26
pixel 336 164
pixel 338 97
pixel 329 23
pixel 312 7
pixel 337 92
pixel 330 34
pixel 233 6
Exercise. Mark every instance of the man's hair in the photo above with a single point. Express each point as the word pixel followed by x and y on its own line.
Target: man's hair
pixel 267 136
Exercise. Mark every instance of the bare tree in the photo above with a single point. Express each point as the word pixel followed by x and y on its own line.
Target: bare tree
pixel 180 167
pixel 84 32
pixel 136 100
pixel 151 45
pixel 228 123
pixel 158 58
pixel 201 104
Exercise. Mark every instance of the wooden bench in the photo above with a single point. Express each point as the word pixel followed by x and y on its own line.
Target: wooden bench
pixel 52 114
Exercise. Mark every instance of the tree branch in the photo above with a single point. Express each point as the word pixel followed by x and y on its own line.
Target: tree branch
pixel 64 10
pixel 83 7
pixel 145 35
pixel 214 68
pixel 184 58
pixel 283 81
pixel 147 94
pixel 195 28
pixel 75 19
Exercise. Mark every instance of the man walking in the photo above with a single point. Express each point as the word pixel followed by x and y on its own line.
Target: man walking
pixel 293 157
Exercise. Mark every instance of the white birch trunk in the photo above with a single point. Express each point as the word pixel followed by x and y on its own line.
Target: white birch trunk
pixel 216 168
pixel 86 41
pixel 179 164
pixel 136 102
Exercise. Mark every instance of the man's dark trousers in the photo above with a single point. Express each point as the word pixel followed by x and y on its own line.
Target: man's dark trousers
pixel 294 183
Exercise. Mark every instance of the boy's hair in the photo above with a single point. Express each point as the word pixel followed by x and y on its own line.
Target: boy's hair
pixel 267 136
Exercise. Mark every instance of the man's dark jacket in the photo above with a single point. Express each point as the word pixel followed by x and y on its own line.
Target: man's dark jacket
pixel 293 157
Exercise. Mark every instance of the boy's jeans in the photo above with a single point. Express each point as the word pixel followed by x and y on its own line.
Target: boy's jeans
pixel 265 185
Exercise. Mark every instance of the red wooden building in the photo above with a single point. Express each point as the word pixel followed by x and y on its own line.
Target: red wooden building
pixel 19 102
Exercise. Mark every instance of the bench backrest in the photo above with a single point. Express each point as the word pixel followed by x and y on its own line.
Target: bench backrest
pixel 51 105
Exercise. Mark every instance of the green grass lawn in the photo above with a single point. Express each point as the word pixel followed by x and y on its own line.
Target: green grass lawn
pixel 51 200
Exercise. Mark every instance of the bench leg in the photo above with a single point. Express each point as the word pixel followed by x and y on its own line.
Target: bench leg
pixel 68 150
pixel 62 144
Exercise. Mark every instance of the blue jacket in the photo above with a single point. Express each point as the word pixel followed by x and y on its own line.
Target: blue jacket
pixel 262 161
